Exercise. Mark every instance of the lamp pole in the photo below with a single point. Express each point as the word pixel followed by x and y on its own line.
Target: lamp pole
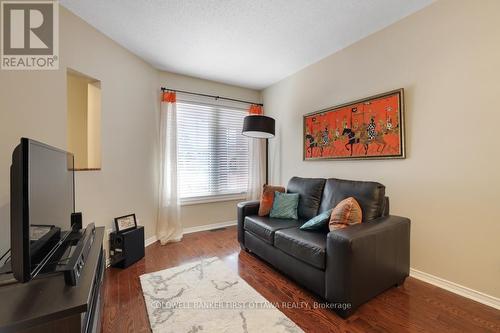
pixel 267 161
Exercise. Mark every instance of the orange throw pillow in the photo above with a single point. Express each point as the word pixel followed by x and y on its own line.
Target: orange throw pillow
pixel 346 213
pixel 267 198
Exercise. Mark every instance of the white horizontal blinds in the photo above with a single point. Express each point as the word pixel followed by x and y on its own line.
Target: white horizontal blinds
pixel 212 154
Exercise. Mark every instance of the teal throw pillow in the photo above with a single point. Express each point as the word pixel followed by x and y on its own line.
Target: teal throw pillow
pixel 318 222
pixel 285 206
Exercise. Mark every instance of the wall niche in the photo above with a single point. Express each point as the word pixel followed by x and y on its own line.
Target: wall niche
pixel 84 120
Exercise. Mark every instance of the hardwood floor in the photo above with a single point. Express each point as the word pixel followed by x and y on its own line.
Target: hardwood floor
pixel 414 307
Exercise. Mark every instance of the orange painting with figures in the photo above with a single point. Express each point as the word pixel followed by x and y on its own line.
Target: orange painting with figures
pixel 369 128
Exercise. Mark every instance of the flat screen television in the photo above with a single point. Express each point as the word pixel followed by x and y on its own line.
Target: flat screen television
pixel 42 185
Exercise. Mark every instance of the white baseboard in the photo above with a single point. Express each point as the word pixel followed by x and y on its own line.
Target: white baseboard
pixel 150 240
pixel 456 288
pixel 209 227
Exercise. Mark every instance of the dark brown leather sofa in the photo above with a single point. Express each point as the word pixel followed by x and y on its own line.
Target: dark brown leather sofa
pixel 345 267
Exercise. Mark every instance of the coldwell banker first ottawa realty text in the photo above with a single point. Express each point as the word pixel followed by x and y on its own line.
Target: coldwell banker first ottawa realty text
pixel 29 35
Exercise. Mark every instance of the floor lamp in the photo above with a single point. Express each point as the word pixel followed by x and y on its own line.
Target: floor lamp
pixel 260 127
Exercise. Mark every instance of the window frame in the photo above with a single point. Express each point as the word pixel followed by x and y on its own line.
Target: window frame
pixel 195 200
pixel 189 201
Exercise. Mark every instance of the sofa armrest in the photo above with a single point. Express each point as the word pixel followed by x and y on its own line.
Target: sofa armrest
pixel 365 259
pixel 245 208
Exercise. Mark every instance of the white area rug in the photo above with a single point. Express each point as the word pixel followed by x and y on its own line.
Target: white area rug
pixel 206 296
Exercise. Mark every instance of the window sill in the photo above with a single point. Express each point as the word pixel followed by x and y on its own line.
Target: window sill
pixel 211 199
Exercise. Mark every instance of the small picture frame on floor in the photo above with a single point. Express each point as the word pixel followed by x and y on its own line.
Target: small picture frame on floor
pixel 125 223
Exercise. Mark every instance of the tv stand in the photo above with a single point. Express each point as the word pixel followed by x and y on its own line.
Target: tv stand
pixel 48 304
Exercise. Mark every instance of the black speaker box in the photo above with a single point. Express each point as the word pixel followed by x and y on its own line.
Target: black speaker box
pixel 76 220
pixel 126 247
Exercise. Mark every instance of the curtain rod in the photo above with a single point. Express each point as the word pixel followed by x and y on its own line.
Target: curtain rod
pixel 212 96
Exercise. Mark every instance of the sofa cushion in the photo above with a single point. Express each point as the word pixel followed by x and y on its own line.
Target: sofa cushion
pixel 267 198
pixel 370 196
pixel 310 191
pixel 319 222
pixel 308 246
pixel 346 213
pixel 264 227
pixel 285 206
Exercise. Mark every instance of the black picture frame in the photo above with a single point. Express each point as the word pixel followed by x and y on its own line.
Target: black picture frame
pixel 122 228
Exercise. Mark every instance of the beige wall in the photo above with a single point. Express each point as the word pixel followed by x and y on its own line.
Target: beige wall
pixel 447 57
pixel 77 119
pixel 33 104
pixel 216 212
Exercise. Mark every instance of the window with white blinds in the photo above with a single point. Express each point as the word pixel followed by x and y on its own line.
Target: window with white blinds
pixel 212 155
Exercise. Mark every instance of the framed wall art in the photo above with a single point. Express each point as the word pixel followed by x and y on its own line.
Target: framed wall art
pixel 370 128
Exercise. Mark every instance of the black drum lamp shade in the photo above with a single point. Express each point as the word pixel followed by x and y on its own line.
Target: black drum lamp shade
pixel 258 126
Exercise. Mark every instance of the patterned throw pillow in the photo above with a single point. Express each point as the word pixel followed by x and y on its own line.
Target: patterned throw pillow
pixel 267 198
pixel 318 222
pixel 285 205
pixel 346 213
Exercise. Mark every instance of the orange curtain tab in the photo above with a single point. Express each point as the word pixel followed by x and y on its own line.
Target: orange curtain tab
pixel 256 109
pixel 169 97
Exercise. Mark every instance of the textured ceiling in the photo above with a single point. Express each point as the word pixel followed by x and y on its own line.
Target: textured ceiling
pixel 250 43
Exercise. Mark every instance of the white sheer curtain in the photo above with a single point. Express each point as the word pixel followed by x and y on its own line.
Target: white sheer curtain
pixel 256 167
pixel 169 227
